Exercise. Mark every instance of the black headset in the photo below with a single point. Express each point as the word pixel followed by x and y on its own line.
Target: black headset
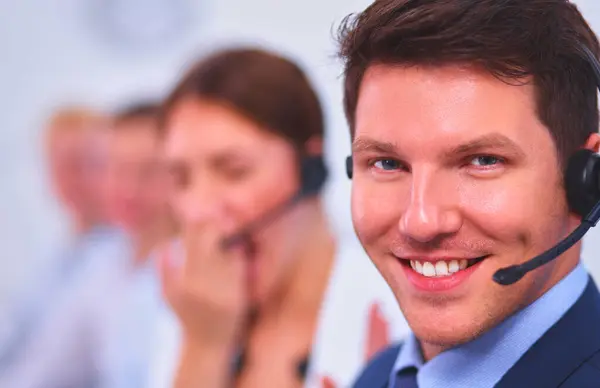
pixel 313 175
pixel 582 183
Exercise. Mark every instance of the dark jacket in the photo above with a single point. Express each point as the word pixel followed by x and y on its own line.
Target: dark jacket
pixel 566 356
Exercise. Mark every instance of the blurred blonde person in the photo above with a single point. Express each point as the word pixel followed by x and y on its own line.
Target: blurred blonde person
pixel 75 143
pixel 50 343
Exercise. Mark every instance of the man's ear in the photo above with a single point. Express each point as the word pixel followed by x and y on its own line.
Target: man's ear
pixel 593 142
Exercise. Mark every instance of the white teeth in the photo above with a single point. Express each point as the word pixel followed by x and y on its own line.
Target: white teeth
pixel 428 269
pixel 453 266
pixel 439 268
pixel 419 267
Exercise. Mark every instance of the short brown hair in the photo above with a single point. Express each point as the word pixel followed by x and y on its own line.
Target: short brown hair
pixel 138 110
pixel 514 40
pixel 266 88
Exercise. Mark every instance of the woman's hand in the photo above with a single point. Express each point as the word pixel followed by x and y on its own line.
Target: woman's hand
pixel 207 287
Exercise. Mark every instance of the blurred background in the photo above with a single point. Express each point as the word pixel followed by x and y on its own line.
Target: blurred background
pixel 111 53
pixel 106 55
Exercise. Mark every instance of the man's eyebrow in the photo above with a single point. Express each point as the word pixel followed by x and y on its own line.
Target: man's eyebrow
pixel 366 144
pixel 492 141
pixel 485 143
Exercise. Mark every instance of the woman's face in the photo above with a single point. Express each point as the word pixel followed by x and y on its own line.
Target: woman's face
pixel 226 167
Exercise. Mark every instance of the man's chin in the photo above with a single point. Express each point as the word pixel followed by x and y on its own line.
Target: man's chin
pixel 443 337
pixel 444 331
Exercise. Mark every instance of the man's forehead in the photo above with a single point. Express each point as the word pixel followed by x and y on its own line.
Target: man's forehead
pixel 453 109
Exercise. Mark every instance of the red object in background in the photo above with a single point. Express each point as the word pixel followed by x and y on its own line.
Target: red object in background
pixel 326 382
pixel 377 338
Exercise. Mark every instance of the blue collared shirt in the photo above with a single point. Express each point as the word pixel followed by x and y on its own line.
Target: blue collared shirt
pixel 482 362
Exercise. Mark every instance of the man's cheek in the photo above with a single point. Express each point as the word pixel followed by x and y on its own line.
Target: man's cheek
pixel 501 215
pixel 373 215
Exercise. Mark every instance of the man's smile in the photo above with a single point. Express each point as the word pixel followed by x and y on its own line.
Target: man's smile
pixel 439 273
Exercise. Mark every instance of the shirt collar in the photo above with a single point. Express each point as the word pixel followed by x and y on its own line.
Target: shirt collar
pixel 483 361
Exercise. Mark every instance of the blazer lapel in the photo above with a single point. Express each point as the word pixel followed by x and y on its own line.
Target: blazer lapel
pixel 377 372
pixel 564 347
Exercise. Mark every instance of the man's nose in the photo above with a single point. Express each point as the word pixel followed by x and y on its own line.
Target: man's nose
pixel 432 210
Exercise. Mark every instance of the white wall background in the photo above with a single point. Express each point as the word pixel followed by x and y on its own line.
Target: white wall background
pixel 54 52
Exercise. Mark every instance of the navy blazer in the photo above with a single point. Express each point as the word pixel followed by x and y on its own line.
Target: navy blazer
pixel 566 356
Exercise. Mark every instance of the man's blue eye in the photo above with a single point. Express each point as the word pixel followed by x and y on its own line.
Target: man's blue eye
pixel 387 164
pixel 485 160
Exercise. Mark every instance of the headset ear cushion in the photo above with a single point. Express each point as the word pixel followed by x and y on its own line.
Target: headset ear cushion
pixel 349 167
pixel 582 181
pixel 313 172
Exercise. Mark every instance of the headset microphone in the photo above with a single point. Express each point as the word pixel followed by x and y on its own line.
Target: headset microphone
pixel 509 275
pixel 582 183
pixel 313 175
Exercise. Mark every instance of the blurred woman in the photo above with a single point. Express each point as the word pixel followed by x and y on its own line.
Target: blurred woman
pixel 236 128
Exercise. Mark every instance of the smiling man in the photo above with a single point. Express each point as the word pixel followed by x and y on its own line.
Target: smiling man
pixel 464 116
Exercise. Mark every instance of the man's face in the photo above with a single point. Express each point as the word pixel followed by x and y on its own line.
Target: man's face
pixel 136 192
pixel 454 178
pixel 77 162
